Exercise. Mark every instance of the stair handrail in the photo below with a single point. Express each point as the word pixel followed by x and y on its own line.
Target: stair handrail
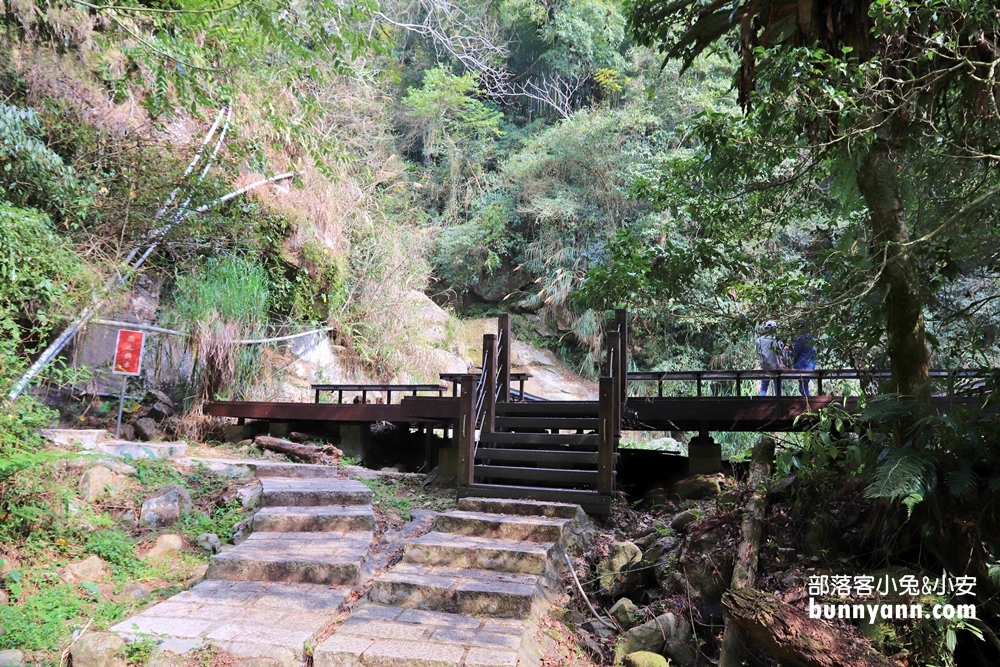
pixel 609 415
pixel 504 342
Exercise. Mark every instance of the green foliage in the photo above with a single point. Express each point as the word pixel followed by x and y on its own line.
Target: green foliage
pixel 38 621
pixel 32 175
pixel 112 545
pixel 466 252
pixel 40 282
pixel 220 520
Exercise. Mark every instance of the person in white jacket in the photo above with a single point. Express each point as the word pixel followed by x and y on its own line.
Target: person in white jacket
pixel 770 353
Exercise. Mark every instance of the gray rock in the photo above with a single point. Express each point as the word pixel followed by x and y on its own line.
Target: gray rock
pixel 127 518
pixel 698 486
pixel 162 659
pixel 663 555
pixel 126 432
pixel 145 429
pixel 644 659
pixel 136 591
pixel 620 571
pixel 159 411
pixel 156 396
pixel 165 546
pixel 99 649
pixel 250 495
pixel 99 481
pixel 209 542
pixel 666 635
pixel 598 629
pixel 165 509
pixel 88 569
pixel 260 662
pixel 625 612
pixel 11 658
pixel 681 521
pixel 241 531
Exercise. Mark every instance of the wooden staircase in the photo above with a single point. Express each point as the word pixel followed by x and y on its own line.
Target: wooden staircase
pixel 561 451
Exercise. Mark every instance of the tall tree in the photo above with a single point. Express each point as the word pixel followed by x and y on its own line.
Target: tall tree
pixel 878 82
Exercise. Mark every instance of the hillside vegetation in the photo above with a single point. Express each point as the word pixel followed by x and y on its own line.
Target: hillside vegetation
pixel 555 160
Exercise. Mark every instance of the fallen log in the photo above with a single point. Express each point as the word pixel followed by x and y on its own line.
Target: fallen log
pixel 306 453
pixel 794 637
pixel 751 531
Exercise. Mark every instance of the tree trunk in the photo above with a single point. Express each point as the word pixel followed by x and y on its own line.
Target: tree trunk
pixel 795 638
pixel 745 570
pixel 898 278
pixel 307 453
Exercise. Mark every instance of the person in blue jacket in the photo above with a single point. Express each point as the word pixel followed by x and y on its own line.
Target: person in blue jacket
pixel 803 354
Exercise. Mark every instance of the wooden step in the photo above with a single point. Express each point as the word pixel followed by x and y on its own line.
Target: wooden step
pixel 591 501
pixel 537 474
pixel 549 409
pixel 548 423
pixel 535 455
pixel 590 439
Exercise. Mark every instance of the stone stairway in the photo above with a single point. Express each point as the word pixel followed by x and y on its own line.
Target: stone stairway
pixel 275 594
pixel 467 594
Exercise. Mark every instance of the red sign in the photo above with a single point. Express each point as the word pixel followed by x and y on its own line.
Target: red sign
pixel 128 352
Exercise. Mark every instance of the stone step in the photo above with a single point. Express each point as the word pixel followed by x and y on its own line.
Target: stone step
pixel 306 492
pixel 308 558
pixel 483 553
pixel 390 635
pixel 246 619
pixel 323 518
pixel 294 470
pixel 503 526
pixel 521 507
pixel 456 590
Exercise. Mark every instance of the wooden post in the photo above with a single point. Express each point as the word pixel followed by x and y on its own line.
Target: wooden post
pixel 465 429
pixel 489 381
pixel 621 320
pixel 614 364
pixel 606 430
pixel 503 352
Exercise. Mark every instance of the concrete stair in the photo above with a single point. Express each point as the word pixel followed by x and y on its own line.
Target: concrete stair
pixel 466 594
pixel 278 592
pixel 320 518
pixel 307 558
pixel 313 492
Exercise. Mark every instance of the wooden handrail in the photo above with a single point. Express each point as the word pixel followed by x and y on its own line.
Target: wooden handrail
pixel 490 377
pixel 504 342
pixel 606 432
pixel 466 432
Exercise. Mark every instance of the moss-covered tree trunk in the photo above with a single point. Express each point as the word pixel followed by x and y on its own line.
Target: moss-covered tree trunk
pixel 794 637
pixel 752 530
pixel 898 278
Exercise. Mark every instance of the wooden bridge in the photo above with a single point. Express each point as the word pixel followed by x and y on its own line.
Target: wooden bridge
pixel 513 445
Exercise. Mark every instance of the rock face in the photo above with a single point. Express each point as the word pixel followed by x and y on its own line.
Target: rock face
pixel 99 649
pixel 159 411
pixel 682 520
pixel 696 487
pixel 166 545
pixel 89 569
pixel 165 509
pixel 209 542
pixel 100 480
pixel 620 571
pixel 250 495
pixel 145 429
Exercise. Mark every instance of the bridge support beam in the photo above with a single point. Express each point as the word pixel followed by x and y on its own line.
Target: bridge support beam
pixel 704 455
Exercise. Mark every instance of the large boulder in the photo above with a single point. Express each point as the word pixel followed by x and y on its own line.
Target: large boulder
pixel 666 635
pixel 684 519
pixel 99 649
pixel 100 480
pixel 696 487
pixel 165 509
pixel 620 572
pixel 165 546
pixel 88 569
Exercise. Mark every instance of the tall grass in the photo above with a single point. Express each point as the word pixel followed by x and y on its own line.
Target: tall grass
pixel 223 301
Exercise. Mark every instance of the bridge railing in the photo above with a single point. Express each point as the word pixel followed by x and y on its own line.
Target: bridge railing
pixel 956 380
